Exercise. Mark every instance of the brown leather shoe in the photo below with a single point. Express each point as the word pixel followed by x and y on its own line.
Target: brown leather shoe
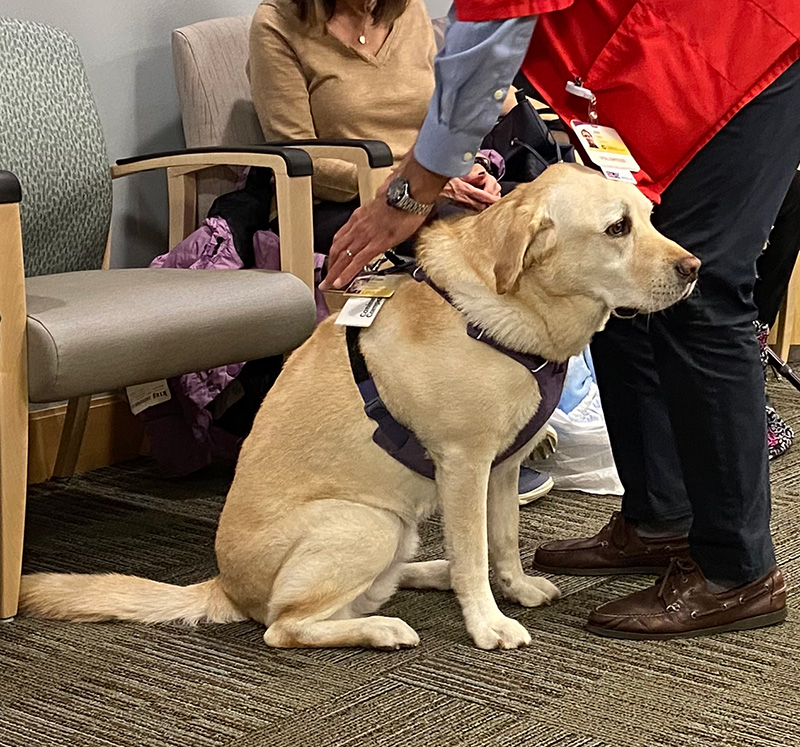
pixel 615 549
pixel 681 606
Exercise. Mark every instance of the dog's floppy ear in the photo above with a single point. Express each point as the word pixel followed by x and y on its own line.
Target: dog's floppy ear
pixel 524 234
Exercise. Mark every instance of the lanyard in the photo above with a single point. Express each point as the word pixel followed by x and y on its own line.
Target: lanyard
pixel 576 88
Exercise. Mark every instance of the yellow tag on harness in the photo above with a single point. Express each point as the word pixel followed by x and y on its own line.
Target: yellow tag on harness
pixel 373 286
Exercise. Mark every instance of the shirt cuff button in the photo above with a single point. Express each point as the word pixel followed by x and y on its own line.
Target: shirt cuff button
pixel 468 156
pixel 499 94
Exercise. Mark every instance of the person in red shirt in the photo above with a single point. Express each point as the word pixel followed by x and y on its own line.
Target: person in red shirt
pixel 706 99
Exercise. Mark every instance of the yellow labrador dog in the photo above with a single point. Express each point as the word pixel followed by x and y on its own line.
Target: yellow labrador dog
pixel 320 524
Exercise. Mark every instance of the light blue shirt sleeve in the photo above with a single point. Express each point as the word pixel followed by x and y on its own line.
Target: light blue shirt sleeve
pixel 473 72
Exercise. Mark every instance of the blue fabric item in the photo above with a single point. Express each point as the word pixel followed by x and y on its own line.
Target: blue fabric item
pixel 473 72
pixel 578 384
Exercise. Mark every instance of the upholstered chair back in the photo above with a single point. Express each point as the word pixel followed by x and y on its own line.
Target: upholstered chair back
pixel 51 138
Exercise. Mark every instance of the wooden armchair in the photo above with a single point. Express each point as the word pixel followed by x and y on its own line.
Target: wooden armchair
pixel 69 329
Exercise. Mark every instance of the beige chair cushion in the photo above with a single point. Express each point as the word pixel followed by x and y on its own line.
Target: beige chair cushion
pixel 210 61
pixel 97 331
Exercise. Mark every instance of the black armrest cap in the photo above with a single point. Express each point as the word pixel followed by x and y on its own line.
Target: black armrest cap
pixel 378 153
pixel 10 190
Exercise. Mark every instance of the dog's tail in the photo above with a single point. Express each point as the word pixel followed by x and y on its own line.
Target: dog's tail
pixel 83 597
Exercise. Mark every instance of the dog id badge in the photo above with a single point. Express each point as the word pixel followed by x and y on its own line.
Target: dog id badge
pixel 604 146
pixel 359 312
pixel 373 286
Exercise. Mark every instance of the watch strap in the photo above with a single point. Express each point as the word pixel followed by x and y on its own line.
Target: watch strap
pixel 407 203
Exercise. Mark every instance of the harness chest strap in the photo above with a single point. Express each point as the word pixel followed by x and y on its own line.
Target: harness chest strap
pixel 401 443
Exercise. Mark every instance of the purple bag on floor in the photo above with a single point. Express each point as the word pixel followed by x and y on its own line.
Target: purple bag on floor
pixel 182 434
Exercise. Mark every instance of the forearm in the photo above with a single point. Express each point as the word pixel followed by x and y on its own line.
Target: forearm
pixel 473 75
pixel 424 185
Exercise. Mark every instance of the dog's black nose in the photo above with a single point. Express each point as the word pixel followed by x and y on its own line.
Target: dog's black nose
pixel 687 267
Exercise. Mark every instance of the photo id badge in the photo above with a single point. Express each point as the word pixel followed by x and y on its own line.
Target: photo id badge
pixel 604 146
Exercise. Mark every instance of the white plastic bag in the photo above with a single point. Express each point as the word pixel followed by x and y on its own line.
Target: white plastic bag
pixel 583 460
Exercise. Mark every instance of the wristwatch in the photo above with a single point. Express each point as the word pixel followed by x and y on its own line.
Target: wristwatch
pixel 398 196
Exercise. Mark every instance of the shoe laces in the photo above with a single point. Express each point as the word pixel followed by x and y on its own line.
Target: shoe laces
pixel 676 566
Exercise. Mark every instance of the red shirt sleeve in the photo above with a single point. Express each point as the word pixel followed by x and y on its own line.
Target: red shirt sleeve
pixel 499 10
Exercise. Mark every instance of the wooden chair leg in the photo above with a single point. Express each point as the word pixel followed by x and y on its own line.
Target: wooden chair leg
pixel 13 410
pixel 369 181
pixel 13 487
pixel 72 436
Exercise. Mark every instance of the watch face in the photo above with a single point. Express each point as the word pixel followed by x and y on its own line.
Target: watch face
pixel 396 191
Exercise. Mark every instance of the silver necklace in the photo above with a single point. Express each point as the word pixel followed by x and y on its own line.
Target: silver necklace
pixel 368 10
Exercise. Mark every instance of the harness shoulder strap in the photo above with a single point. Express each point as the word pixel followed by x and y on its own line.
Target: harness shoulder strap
pixel 393 437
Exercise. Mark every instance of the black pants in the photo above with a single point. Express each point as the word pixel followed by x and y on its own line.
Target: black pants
pixel 682 390
pixel 775 265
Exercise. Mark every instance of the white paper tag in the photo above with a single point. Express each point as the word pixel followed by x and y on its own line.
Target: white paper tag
pixel 580 91
pixel 142 396
pixel 359 312
pixel 619 175
pixel 604 146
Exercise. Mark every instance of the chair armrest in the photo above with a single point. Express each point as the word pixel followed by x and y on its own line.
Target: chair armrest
pixel 372 158
pixel 375 153
pixel 286 161
pixel 292 168
pixel 10 190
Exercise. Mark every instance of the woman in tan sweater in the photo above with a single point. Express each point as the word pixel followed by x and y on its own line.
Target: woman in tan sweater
pixel 343 69
pixel 346 69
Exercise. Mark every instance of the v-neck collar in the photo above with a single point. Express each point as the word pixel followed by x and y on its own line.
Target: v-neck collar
pixel 376 59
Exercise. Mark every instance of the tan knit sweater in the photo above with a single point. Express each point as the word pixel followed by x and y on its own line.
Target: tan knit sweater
pixel 308 85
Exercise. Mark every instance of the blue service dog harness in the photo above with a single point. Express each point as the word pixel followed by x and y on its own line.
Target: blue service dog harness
pixel 401 443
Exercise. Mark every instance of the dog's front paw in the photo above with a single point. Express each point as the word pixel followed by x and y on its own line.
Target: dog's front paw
pixel 499 632
pixel 391 634
pixel 531 591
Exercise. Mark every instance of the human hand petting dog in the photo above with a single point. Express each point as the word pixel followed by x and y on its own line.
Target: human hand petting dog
pixel 372 229
pixel 376 227
pixel 477 190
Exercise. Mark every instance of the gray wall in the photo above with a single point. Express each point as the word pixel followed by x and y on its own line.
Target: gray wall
pixel 126 50
pixel 437 8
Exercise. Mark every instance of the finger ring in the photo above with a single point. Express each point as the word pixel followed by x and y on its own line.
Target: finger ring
pixel 348 253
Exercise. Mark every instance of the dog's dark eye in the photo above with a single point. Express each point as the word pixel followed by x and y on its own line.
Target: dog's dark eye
pixel 621 228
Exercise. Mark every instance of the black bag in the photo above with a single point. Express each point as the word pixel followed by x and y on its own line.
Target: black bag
pixel 526 143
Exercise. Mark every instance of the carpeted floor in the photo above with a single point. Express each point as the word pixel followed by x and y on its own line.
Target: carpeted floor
pixel 125 685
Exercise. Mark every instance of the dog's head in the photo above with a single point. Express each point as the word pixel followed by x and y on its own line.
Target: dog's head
pixel 574 232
